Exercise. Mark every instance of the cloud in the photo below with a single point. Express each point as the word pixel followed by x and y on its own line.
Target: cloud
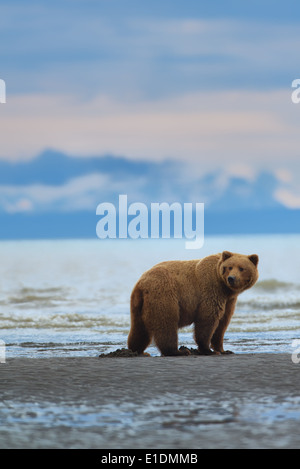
pixel 80 193
pixel 199 88
pixel 20 205
pixel 92 51
pixel 284 175
pixel 287 198
pixel 212 128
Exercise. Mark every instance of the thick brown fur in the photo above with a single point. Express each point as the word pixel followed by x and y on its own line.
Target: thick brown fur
pixel 174 294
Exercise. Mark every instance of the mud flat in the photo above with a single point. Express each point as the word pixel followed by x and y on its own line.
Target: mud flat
pixel 192 402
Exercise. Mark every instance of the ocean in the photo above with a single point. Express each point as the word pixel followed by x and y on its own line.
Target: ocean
pixel 71 298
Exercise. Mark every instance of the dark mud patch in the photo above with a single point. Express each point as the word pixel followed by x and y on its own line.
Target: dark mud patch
pixel 190 351
pixel 126 353
pixel 121 352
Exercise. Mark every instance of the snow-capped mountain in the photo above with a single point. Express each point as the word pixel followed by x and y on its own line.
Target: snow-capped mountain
pixel 57 195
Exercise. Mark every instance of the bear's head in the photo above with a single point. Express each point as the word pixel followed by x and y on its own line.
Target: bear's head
pixel 238 271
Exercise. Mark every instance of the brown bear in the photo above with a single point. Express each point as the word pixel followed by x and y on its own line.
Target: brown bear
pixel 174 294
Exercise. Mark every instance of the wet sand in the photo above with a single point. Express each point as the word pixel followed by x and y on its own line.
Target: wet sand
pixel 232 401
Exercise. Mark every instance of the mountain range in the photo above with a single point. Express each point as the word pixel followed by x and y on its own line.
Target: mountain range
pixel 55 195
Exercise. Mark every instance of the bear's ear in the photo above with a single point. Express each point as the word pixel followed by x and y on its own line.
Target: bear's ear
pixel 226 255
pixel 254 259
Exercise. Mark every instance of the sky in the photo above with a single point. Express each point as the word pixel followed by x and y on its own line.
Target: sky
pixel 208 83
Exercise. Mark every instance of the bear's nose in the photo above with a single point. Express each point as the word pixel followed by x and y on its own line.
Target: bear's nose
pixel 231 279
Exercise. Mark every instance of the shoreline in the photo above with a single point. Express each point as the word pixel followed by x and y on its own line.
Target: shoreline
pixel 230 401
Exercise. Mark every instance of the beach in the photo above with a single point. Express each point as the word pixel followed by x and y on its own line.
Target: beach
pixel 234 401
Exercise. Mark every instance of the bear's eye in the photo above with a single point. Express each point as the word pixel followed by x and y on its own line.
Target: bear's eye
pixel 241 269
pixel 230 268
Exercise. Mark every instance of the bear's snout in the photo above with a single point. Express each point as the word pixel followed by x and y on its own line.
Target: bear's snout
pixel 231 279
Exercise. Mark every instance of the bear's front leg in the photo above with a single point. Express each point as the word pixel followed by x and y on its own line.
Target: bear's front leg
pixel 218 336
pixel 203 333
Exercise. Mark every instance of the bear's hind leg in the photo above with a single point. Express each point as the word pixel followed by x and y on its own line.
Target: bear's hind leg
pixel 167 342
pixel 139 338
pixel 161 312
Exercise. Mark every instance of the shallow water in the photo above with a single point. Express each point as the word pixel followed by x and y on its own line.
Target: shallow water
pixel 159 423
pixel 71 298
